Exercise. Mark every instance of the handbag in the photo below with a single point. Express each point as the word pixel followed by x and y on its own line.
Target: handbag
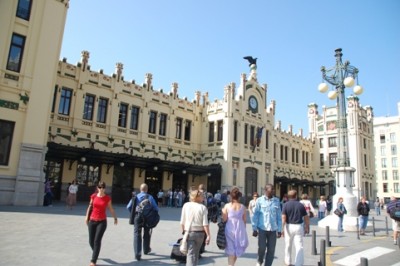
pixel 337 212
pixel 183 248
pixel 221 239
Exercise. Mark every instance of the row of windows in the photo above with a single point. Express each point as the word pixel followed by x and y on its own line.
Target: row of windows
pixel 395 175
pixel 284 150
pixel 392 138
pixel 396 187
pixel 393 150
pixel 384 162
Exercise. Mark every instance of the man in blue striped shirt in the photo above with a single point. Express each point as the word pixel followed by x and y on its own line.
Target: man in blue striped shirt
pixel 267 225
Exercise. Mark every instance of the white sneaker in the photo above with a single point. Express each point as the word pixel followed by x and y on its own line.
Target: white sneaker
pixel 258 264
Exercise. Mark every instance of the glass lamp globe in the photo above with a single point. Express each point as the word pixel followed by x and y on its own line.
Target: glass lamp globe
pixel 348 82
pixel 323 87
pixel 332 95
pixel 358 90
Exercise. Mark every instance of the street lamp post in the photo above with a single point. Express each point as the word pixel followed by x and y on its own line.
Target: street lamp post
pixel 342 76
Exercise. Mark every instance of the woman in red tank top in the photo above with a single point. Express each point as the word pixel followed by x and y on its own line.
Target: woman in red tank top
pixel 96 219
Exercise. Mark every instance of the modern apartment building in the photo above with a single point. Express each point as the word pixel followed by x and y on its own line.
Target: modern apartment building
pixel 387 141
pixel 63 121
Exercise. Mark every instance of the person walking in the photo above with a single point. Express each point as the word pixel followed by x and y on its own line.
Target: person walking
pixel 395 224
pixel 377 205
pixel 96 219
pixel 343 211
pixel 139 224
pixel 72 190
pixel 234 214
pixel 252 205
pixel 295 223
pixel 194 219
pixel 308 205
pixel 267 225
pixel 363 212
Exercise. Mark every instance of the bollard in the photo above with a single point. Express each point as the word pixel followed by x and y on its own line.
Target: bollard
pixel 328 242
pixel 364 261
pixel 358 230
pixel 313 243
pixel 322 255
pixel 373 226
pixel 387 230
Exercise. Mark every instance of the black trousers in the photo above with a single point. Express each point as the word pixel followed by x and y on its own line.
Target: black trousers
pixel 96 232
pixel 137 237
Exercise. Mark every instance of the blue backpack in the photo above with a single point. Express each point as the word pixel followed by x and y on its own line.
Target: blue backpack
pixel 148 213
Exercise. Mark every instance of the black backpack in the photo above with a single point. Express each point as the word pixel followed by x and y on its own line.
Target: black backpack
pixel 395 212
pixel 148 213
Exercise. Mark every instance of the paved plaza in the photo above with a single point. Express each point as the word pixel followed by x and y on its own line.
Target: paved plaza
pixel 56 236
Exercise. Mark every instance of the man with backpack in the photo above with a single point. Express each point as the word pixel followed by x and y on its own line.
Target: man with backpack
pixel 145 217
pixel 392 207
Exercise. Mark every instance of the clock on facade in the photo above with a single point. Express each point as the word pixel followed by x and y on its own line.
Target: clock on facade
pixel 253 104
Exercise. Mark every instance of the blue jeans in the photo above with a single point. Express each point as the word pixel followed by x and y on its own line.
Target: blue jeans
pixel 340 223
pixel 194 243
pixel 96 232
pixel 266 240
pixel 378 210
pixel 363 220
pixel 321 215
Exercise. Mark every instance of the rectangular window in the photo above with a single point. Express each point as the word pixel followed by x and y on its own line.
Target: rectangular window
pixel 16 51
pixel 65 101
pixel 383 150
pixel 24 9
pixel 392 137
pixel 303 157
pixel 382 138
pixel 385 187
pixel 365 160
pixel 123 115
pixel 211 132
pixel 365 143
pixel 53 106
pixel 307 154
pixel 267 139
pixel 220 130
pixel 102 110
pixel 178 133
pixel 252 135
pixel 6 136
pixel 332 142
pixel 396 187
pixel 88 107
pixel 281 152
pixel 394 162
pixel 246 128
pixel 293 154
pixel 384 175
pixel 163 125
pixel 286 153
pixel 274 150
pixel 395 174
pixel 152 122
pixel 321 160
pixel 235 131
pixel 234 177
pixel 332 159
pixel 393 149
pixel 188 127
pixel 383 163
pixel 321 143
pixel 135 118
pixel 297 155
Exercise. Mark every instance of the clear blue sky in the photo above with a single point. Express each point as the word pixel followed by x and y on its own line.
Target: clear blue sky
pixel 201 44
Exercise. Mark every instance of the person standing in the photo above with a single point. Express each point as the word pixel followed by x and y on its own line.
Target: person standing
pixel 295 223
pixel 363 212
pixel 139 224
pixel 377 206
pixel 395 224
pixel 343 211
pixel 194 219
pixel 96 219
pixel 160 198
pixel 234 214
pixel 322 207
pixel 252 205
pixel 72 190
pixel 48 194
pixel 267 225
